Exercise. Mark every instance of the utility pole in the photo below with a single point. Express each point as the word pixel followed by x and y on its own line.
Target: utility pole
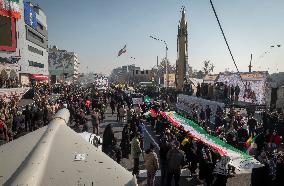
pixel 167 66
pixel 157 61
pixel 250 66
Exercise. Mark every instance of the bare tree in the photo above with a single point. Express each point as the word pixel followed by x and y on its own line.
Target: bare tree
pixel 208 67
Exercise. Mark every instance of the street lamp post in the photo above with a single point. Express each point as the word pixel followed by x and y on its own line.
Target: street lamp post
pixel 167 70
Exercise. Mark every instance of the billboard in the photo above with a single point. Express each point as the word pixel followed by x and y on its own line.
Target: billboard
pixel 10 8
pixel 30 15
pixel 172 80
pixel 253 86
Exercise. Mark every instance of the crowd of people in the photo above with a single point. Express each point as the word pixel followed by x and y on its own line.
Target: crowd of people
pixel 176 148
pixel 9 82
pixel 16 120
pixel 236 130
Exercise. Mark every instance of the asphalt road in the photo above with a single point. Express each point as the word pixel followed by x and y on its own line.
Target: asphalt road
pixel 237 180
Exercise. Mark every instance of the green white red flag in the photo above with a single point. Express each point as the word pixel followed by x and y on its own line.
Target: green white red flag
pixel 238 159
pixel 121 51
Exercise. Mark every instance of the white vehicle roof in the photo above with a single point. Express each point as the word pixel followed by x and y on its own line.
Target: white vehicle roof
pixel 60 167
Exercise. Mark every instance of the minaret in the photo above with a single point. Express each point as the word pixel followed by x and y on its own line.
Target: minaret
pixel 181 52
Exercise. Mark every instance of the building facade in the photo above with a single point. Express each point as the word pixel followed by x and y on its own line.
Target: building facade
pixel 141 75
pixel 63 65
pixel 130 74
pixel 123 74
pixel 182 47
pixel 32 44
pixel 23 42
pixel 10 16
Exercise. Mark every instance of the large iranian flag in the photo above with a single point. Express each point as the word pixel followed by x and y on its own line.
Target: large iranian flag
pixel 238 159
pixel 10 8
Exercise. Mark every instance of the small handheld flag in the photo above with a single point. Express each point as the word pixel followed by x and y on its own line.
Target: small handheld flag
pixel 121 51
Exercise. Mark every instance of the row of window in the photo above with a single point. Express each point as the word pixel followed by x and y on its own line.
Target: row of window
pixel 35 36
pixel 36 64
pixel 35 50
pixel 141 72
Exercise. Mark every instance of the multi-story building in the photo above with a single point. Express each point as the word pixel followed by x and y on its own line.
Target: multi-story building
pixel 123 74
pixel 63 65
pixel 142 75
pixel 32 44
pixel 23 42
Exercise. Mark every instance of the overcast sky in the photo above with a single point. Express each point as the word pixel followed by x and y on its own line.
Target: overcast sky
pixel 97 29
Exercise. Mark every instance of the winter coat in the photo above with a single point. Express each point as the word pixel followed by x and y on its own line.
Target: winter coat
pixel 164 148
pixel 176 159
pixel 151 162
pixel 135 148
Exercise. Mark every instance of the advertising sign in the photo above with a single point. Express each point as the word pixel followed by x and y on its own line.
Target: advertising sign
pixel 30 15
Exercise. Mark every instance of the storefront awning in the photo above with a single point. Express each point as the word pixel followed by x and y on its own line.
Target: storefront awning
pixel 39 77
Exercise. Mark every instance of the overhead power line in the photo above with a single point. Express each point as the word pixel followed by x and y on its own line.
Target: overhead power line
pixel 220 26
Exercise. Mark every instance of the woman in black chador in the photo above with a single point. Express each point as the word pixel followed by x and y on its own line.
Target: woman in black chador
pixel 125 142
pixel 108 138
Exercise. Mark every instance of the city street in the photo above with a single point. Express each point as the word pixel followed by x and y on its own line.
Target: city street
pixel 237 180
pixel 209 75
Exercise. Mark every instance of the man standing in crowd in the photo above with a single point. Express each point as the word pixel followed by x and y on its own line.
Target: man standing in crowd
pixel 237 92
pixel 176 160
pixel 135 152
pixel 28 118
pixel 95 121
pixel 208 113
pixel 151 164
pixel 164 149
pixel 252 123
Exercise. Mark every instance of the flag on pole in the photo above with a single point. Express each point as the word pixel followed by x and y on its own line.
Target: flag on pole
pixel 121 51
pixel 249 141
pixel 251 145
